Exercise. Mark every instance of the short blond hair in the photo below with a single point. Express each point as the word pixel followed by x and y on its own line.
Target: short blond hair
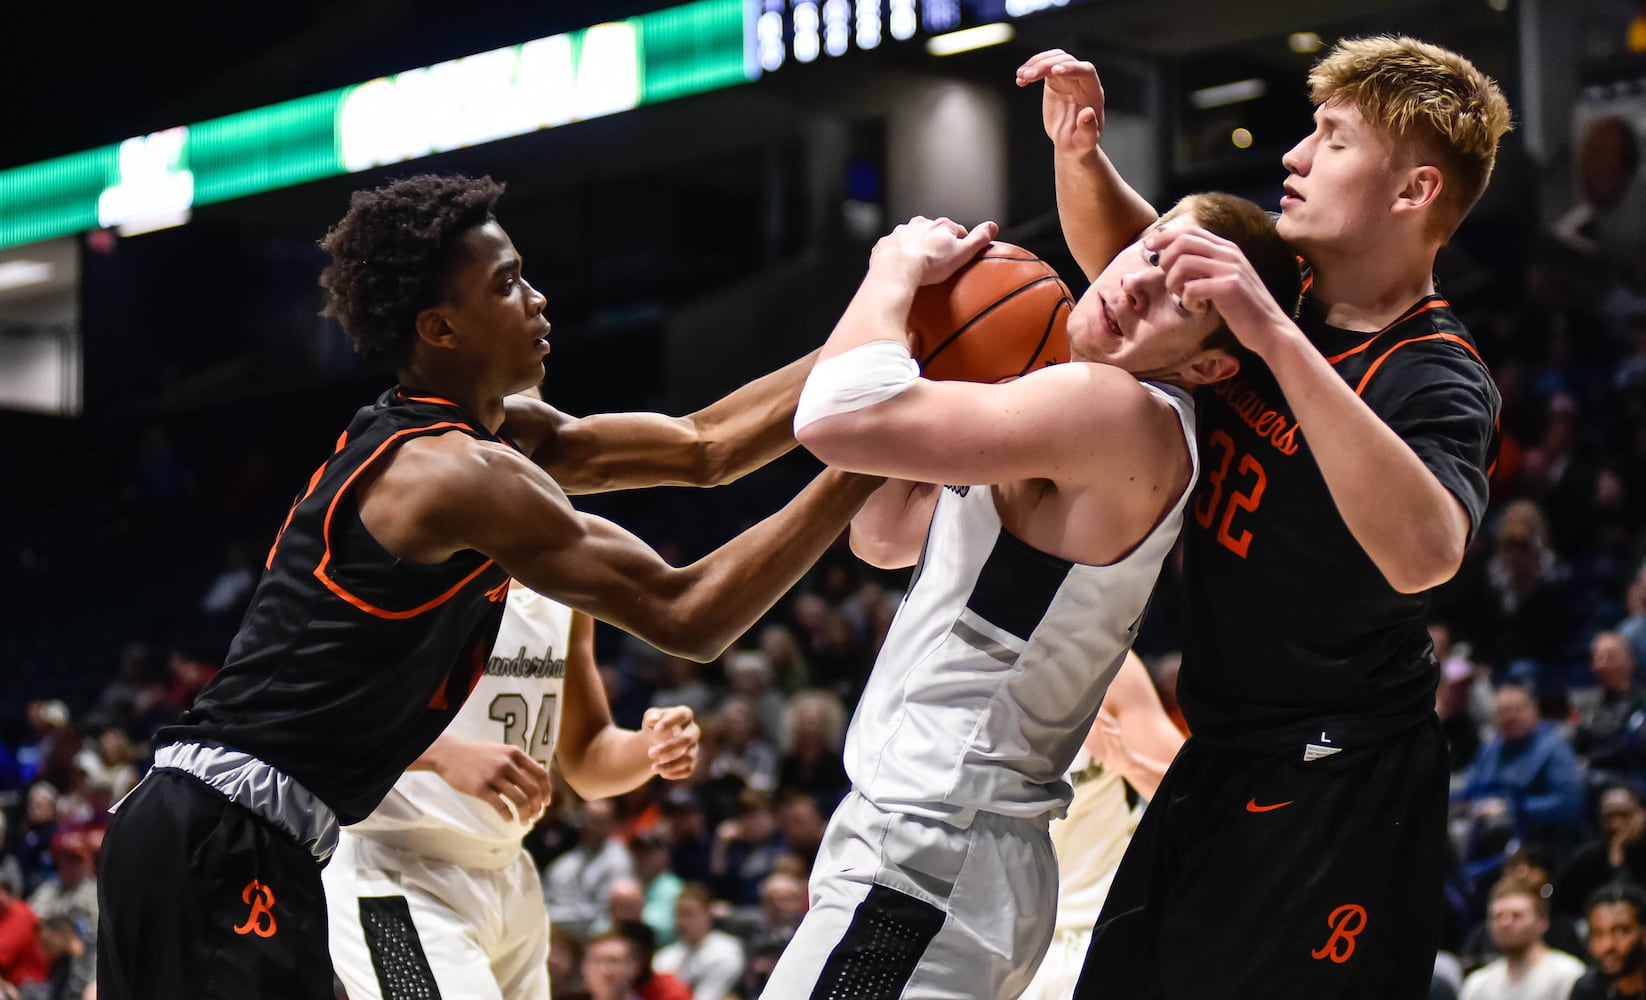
pixel 1434 103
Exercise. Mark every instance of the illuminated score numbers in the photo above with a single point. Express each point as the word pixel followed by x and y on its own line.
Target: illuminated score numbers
pixel 806 30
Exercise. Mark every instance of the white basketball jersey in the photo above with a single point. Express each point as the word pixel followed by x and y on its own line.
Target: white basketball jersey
pixel 1091 838
pixel 517 701
pixel 993 669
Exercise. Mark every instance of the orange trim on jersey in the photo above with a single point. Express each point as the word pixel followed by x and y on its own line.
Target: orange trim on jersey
pixel 1425 307
pixel 426 399
pixel 325 534
pixel 1415 340
pixel 314 480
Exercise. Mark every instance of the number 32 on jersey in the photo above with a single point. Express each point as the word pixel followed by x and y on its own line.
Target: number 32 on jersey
pixel 1244 493
pixel 518 729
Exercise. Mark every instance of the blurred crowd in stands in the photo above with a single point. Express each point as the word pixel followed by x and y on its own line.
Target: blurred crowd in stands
pixel 118 611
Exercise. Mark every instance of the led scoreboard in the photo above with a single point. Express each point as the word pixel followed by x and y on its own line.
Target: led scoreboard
pixel 803 31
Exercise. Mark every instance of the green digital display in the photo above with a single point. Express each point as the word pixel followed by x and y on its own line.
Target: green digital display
pixel 599 70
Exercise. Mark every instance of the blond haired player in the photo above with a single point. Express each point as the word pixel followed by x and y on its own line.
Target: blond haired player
pixel 1296 846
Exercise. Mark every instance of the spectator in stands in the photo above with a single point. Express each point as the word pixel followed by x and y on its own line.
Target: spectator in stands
pixel 790 671
pixel 1618 854
pixel 43 718
pixel 565 965
pixel 746 848
pixel 11 872
pixel 1611 737
pixel 659 885
pixel 32 845
pixel 22 960
pixel 708 960
pixel 813 733
pixel 1517 597
pixel 1615 914
pixel 610 968
pixel 1528 967
pixel 108 761
pixel 749 675
pixel 745 752
pixel 802 825
pixel 1633 628
pixel 577 884
pixel 681 685
pixel 73 960
pixel 72 891
pixel 649 983
pixel 1454 705
pixel 692 843
pixel 1528 865
pixel 1524 782
pixel 1518 919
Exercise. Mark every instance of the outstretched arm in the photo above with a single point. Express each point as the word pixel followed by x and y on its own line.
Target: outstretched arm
pixel 440 495
pixel 616 451
pixel 601 759
pixel 1133 735
pixel 1099 211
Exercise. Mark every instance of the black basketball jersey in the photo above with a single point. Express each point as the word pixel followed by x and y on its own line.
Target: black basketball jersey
pixel 1292 631
pixel 350 662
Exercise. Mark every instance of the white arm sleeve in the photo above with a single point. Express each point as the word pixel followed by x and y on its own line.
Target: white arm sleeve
pixel 863 376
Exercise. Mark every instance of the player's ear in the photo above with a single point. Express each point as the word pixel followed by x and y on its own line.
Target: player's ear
pixel 1422 186
pixel 433 329
pixel 1211 365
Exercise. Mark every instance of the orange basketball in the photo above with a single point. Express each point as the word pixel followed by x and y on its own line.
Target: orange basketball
pixel 1005 313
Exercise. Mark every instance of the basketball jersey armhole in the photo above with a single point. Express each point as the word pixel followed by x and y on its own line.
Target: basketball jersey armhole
pixel 323 570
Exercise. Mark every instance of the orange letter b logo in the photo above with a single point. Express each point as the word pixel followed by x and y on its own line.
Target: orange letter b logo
pixel 261 899
pixel 1346 922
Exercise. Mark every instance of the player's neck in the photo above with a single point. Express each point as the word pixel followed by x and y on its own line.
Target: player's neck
pixel 1369 289
pixel 485 406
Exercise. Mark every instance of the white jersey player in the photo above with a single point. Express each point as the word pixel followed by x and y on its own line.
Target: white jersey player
pixel 433 890
pixel 1116 772
pixel 937 876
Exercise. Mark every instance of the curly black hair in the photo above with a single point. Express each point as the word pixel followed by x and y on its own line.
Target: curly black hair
pixel 392 252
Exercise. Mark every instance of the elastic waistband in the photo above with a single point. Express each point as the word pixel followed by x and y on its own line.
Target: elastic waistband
pixel 444 847
pixel 259 788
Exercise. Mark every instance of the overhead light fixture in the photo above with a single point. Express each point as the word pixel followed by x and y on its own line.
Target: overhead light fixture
pixel 23 273
pixel 1304 42
pixel 1228 93
pixel 967 39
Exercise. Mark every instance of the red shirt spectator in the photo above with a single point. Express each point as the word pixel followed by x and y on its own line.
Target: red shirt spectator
pixel 22 960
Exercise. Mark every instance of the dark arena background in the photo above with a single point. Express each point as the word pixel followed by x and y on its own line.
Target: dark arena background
pixel 695 187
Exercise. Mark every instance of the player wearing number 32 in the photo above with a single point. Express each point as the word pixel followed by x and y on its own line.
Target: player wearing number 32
pixel 434 884
pixel 1344 472
pixel 937 876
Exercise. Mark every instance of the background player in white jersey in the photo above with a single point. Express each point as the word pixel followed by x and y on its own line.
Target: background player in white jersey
pixel 936 877
pixel 433 890
pixel 1116 772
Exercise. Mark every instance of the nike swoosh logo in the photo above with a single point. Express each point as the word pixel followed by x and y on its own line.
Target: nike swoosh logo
pixel 1253 807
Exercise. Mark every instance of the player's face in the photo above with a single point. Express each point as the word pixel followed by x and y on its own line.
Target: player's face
pixel 495 313
pixel 1615 938
pixel 1128 319
pixel 1342 182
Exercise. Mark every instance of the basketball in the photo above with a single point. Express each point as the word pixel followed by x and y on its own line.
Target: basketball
pixel 1003 314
